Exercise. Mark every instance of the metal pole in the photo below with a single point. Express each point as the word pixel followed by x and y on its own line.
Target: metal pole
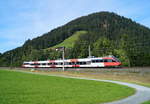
pixel 63 56
pixel 11 55
pixel 89 51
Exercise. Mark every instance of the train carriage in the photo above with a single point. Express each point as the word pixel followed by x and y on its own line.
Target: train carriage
pixel 109 61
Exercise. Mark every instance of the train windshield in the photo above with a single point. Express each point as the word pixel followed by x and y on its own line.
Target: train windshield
pixel 116 59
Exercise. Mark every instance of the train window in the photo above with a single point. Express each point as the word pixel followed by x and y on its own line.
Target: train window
pixel 84 63
pixel 109 60
pixel 78 63
pixel 99 60
pixel 105 60
pixel 88 62
pixel 25 63
pixel 113 61
pixel 43 63
pixel 93 61
pixel 59 63
pixel 73 63
pixel 50 63
pixel 55 63
pixel 96 61
pixel 36 64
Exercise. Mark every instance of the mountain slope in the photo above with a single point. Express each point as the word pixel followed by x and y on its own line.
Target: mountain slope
pixel 107 33
pixel 69 42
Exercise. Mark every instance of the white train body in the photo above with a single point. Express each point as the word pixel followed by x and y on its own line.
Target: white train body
pixel 71 63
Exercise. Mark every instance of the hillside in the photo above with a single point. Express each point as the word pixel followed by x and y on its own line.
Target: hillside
pixel 69 42
pixel 107 33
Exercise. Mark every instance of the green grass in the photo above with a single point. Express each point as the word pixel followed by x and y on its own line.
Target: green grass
pixel 148 102
pixel 69 42
pixel 24 88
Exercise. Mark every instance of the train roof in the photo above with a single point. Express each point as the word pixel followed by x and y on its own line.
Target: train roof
pixel 73 60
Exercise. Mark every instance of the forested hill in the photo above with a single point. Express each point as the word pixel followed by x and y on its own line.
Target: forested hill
pixel 107 34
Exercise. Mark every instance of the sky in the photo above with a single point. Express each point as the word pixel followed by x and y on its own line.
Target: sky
pixel 21 20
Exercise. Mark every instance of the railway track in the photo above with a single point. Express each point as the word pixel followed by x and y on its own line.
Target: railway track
pixel 123 69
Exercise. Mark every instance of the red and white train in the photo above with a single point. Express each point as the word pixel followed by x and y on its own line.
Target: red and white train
pixel 109 61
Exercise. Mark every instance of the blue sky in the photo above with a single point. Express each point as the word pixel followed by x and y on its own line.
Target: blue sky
pixel 25 19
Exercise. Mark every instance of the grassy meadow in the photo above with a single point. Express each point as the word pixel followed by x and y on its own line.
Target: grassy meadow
pixel 24 88
pixel 69 42
pixel 148 102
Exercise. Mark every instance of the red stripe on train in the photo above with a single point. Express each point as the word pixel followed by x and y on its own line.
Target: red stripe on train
pixel 107 58
pixel 106 64
pixel 73 60
pixel 75 65
pixel 36 66
pixel 51 61
pixel 53 66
